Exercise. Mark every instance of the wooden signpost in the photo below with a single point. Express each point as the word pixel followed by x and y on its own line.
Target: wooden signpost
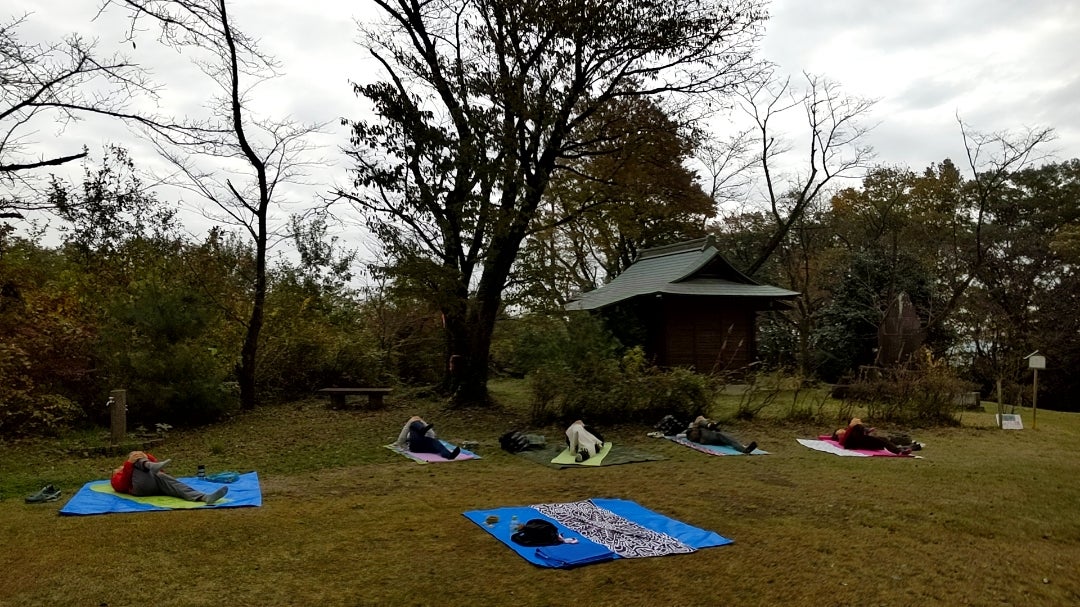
pixel 1035 362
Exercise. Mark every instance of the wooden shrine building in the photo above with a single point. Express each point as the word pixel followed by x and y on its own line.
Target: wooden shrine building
pixel 687 305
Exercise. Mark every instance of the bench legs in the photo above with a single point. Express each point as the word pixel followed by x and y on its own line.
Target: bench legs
pixel 375 401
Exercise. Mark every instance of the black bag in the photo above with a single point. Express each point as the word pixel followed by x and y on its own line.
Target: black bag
pixel 537 532
pixel 670 426
pixel 514 441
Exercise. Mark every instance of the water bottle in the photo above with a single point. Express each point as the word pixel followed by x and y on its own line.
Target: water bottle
pixel 201 472
pixel 514 525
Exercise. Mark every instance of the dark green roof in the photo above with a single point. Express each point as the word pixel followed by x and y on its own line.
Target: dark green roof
pixel 693 268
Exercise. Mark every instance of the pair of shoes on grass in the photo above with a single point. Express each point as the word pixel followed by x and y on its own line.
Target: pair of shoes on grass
pixel 48 493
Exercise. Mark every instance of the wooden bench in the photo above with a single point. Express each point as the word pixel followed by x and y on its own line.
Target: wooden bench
pixel 337 396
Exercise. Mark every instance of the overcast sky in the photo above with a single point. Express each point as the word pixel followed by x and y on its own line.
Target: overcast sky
pixel 998 64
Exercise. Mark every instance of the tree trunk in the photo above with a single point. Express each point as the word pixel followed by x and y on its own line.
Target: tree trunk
pixel 248 355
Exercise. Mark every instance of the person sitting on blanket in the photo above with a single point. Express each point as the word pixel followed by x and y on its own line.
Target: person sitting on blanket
pixel 141 475
pixel 584 441
pixel 858 436
pixel 707 432
pixel 418 436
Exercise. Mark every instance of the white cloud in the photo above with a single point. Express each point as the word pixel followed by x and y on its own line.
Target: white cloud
pixel 999 64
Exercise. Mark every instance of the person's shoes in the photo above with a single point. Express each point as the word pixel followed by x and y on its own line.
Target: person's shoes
pixel 210 498
pixel 750 448
pixel 916 446
pixel 48 493
pixel 456 452
pixel 582 455
pixel 905 451
pixel 155 467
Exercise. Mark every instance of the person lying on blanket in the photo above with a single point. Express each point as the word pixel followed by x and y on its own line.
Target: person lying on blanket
pixel 857 436
pixel 141 475
pixel 418 436
pixel 584 441
pixel 707 432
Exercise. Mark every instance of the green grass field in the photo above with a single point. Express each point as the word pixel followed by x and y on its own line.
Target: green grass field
pixel 987 517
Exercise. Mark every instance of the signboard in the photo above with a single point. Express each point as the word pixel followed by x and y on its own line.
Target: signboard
pixel 1037 362
pixel 1009 421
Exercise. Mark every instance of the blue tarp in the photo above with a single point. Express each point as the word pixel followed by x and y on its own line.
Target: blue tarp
pixel 585 551
pixel 97 497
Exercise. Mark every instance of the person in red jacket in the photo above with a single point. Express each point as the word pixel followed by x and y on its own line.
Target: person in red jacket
pixel 858 436
pixel 141 475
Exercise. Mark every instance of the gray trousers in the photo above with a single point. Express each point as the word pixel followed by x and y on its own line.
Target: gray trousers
pixel 715 437
pixel 145 483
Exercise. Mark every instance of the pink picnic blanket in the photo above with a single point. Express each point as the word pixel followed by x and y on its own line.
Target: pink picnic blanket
pixel 828 445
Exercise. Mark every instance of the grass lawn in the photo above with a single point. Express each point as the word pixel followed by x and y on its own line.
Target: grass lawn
pixel 987 517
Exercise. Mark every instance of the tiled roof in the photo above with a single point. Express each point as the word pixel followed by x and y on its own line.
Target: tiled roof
pixel 690 268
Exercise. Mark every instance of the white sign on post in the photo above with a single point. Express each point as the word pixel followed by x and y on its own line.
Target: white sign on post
pixel 1037 362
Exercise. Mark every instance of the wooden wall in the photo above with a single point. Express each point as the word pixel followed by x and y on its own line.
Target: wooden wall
pixel 710 334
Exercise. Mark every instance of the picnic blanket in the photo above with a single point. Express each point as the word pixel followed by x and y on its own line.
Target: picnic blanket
pixel 433 458
pixel 98 497
pixel 828 445
pixel 711 449
pixel 600 529
pixel 559 456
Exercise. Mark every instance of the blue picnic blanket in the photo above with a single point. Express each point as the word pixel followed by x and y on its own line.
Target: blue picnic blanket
pixel 98 497
pixel 585 551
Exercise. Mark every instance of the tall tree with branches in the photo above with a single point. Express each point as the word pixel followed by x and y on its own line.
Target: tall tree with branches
pixel 232 158
pixel 483 102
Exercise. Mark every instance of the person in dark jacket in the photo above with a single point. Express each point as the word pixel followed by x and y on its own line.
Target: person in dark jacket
pixel 419 436
pixel 707 432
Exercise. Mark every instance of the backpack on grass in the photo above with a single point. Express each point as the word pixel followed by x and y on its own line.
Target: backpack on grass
pixel 537 532
pixel 514 441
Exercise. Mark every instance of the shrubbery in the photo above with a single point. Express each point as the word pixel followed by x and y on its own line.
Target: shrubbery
pixel 577 370
pixel 924 393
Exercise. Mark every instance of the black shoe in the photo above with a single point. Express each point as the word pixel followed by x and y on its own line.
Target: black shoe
pixel 48 493
pixel 456 452
pixel 916 446
pixel 750 448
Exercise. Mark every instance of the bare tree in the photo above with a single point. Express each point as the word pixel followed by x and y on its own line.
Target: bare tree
pixel 49 85
pixel 833 147
pixel 233 158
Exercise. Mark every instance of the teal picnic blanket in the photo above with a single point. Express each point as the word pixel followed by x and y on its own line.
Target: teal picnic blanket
pixel 98 497
pixel 711 449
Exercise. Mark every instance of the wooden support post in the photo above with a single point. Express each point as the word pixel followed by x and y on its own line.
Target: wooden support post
pixel 1001 405
pixel 1035 400
pixel 118 415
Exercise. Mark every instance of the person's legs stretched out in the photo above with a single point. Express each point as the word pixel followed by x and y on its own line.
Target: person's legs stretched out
pixel 148 479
